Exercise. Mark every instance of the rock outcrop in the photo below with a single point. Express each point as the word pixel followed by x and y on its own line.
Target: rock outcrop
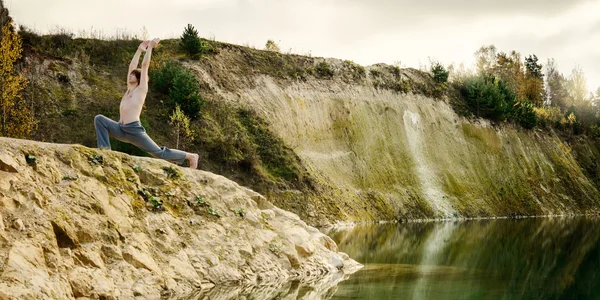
pixel 80 222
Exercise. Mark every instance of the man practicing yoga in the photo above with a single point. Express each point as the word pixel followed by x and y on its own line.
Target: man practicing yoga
pixel 129 129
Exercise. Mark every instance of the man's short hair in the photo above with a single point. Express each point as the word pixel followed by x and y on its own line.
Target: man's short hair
pixel 137 73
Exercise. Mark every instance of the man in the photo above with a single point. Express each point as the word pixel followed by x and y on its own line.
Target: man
pixel 129 129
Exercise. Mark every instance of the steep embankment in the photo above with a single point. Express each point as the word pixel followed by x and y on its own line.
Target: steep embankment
pixel 328 139
pixel 411 155
pixel 76 222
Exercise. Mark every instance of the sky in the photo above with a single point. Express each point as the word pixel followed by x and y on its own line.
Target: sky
pixel 409 33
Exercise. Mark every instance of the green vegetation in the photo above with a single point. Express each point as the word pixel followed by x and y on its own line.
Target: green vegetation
pixel 181 128
pixel 214 212
pixel 16 117
pixel 236 142
pixel 273 248
pixel 137 169
pixel 95 160
pixel 69 177
pixel 191 43
pixel 278 159
pixel 323 70
pixel 181 87
pixel 264 216
pixel 156 203
pixel 506 88
pixel 353 71
pixel 240 212
pixel 30 159
pixel 172 172
pixel 271 46
pixel 490 98
pixel 200 200
pixel 440 74
pixel 151 196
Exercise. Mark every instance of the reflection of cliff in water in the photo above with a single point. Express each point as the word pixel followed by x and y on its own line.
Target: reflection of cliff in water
pixel 324 288
pixel 515 259
pixel 557 258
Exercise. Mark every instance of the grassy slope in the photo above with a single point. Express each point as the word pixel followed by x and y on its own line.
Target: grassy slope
pixel 73 80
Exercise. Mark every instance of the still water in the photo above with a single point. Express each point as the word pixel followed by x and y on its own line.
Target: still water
pixel 543 258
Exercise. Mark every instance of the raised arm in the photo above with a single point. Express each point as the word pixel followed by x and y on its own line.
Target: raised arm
pixel 136 58
pixel 146 63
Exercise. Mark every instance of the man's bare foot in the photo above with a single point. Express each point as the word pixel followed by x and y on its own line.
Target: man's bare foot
pixel 193 159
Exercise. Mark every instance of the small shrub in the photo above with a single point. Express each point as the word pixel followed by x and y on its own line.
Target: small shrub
pixel 137 169
pixel 271 46
pixel 264 216
pixel 172 172
pixel 324 70
pixel 181 128
pixel 357 71
pixel 162 76
pixel 186 93
pixel 95 160
pixel 548 116
pixel 69 177
pixel 273 248
pixel 156 202
pixel 240 212
pixel 181 87
pixel 146 194
pixel 594 131
pixel 30 159
pixel 395 70
pixel 201 201
pixel 375 73
pixel 440 74
pixel 69 112
pixel 524 114
pixel 214 212
pixel 568 121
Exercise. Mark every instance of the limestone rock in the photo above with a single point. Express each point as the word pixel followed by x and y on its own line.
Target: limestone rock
pixel 84 239
pixel 337 261
pixel 305 249
pixel 18 225
pixel 139 259
pixel 8 164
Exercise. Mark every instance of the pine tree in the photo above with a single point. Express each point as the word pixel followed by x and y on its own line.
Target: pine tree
pixel 532 83
pixel 190 42
pixel 16 117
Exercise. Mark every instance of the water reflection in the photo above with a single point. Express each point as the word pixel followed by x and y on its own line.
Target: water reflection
pixel 557 258
pixel 323 288
pixel 554 258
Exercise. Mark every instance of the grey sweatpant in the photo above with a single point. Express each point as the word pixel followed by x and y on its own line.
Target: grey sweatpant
pixel 133 133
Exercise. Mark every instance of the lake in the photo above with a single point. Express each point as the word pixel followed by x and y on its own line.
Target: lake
pixel 536 258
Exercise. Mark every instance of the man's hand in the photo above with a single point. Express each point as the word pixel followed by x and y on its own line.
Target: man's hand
pixel 143 46
pixel 154 42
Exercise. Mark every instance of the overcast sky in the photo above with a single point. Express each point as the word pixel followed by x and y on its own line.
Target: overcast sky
pixel 365 31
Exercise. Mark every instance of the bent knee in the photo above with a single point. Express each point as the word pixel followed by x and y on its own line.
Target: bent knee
pixel 98 119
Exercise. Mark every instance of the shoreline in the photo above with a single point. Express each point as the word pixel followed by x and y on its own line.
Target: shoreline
pixel 357 223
